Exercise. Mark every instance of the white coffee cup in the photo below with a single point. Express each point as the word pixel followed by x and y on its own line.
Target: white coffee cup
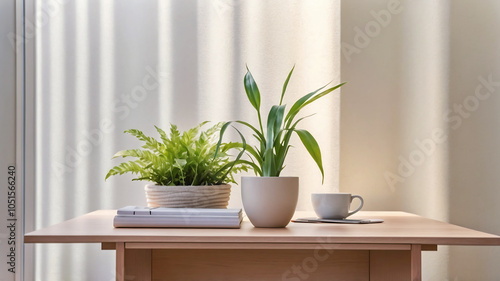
pixel 334 205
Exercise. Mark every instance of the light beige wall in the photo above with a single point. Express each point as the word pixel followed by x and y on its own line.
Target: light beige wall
pixel 401 148
pixel 475 142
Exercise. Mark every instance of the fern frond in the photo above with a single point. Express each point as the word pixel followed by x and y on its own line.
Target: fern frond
pixel 163 135
pixel 174 133
pixel 150 143
pixel 126 167
pixel 186 158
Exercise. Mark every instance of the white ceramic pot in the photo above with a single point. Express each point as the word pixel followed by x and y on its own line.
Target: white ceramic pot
pixel 269 201
pixel 205 196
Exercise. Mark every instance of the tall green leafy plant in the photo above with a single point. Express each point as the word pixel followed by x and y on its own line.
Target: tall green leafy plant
pixel 187 158
pixel 268 157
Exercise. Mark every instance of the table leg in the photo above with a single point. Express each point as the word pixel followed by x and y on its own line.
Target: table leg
pixel 132 264
pixel 120 261
pixel 416 262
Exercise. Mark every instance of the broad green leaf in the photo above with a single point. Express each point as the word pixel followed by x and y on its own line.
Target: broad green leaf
pixel 230 165
pixel 268 161
pixel 272 119
pixel 310 98
pixel 259 134
pixel 268 165
pixel 253 152
pixel 280 112
pixel 252 90
pixel 297 105
pixel 255 167
pixel 286 84
pixel 325 92
pixel 313 148
pixel 230 145
pixel 284 145
pixel 222 131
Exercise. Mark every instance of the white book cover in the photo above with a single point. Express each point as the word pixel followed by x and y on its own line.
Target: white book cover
pixel 201 212
pixel 177 221
pixel 138 216
pixel 138 210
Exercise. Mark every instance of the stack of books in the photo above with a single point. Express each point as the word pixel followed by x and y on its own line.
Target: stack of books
pixel 134 216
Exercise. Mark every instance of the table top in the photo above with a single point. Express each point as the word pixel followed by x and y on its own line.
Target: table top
pixel 397 228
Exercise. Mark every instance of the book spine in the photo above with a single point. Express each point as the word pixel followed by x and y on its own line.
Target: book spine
pixel 132 221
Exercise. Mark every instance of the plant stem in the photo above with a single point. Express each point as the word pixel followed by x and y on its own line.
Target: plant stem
pixel 260 123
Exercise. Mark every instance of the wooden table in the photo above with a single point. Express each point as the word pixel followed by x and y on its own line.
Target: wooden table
pixel 388 251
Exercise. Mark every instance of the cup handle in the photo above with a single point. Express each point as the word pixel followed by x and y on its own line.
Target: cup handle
pixel 360 205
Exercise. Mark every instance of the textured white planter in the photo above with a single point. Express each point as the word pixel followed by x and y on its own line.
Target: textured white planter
pixel 210 196
pixel 269 201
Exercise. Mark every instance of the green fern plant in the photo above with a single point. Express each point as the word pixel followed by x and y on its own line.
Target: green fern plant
pixel 268 157
pixel 187 158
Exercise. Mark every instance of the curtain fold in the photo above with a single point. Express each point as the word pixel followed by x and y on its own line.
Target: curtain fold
pixel 106 66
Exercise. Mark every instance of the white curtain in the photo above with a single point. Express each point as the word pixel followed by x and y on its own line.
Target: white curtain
pixel 417 134
pixel 105 66
pixel 420 119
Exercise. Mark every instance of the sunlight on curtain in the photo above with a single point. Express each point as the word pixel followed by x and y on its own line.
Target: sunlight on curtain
pixel 165 61
pixel 104 76
pixel 397 100
pixel 426 58
pixel 106 66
